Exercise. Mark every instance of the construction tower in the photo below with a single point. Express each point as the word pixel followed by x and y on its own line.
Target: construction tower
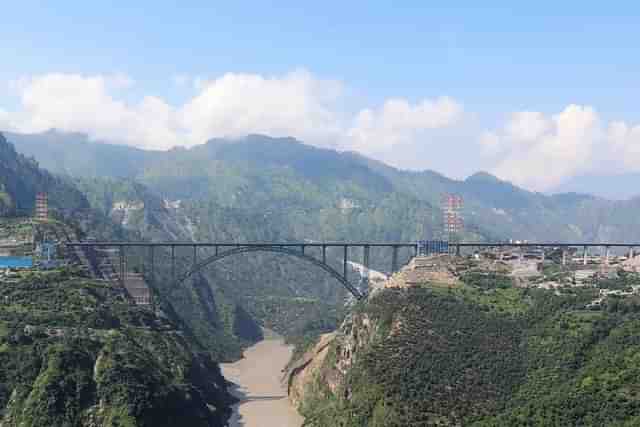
pixel 42 206
pixel 451 206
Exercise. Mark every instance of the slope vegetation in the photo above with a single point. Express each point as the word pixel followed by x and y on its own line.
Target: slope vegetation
pixel 477 355
pixel 75 352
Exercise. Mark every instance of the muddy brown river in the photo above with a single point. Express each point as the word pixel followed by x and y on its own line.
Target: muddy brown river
pixel 257 378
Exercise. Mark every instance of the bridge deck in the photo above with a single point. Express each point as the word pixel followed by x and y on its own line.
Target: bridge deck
pixel 342 244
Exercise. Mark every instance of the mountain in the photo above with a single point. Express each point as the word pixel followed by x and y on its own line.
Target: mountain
pixel 20 180
pixel 75 154
pixel 614 186
pixel 330 195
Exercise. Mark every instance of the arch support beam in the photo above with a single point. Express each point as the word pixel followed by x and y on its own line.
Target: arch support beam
pixel 276 249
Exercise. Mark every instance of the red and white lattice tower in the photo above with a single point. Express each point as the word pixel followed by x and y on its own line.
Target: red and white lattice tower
pixel 453 224
pixel 42 207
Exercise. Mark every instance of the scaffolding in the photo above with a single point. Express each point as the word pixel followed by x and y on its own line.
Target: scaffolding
pixel 453 225
pixel 42 206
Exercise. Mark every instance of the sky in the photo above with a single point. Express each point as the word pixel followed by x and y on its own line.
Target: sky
pixel 535 93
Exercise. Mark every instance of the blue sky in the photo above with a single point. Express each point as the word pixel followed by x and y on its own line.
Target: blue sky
pixel 493 59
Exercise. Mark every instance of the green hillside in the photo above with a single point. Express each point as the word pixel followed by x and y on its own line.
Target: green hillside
pixel 75 352
pixel 481 356
pixel 21 179
pixel 282 176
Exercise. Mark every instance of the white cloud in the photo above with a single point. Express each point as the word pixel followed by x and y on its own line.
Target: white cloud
pixel 398 121
pixel 5 120
pixel 625 143
pixel 294 104
pixel 532 149
pixel 72 102
pixel 527 126
pixel 539 152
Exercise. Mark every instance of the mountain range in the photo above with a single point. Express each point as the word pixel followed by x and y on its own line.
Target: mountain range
pixel 332 195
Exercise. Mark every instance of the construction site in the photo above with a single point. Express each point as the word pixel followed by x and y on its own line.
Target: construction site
pixel 37 243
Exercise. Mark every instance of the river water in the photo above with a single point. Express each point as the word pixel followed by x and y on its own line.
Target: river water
pixel 257 378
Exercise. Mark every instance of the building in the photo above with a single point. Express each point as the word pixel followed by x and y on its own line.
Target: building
pixel 42 206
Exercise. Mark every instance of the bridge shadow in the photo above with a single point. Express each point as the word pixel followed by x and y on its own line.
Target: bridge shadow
pixel 237 420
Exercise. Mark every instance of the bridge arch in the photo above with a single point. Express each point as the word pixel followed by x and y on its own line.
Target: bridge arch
pixel 276 249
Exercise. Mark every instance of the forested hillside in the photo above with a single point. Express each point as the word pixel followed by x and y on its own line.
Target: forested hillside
pixel 479 354
pixel 21 179
pixel 304 185
pixel 75 352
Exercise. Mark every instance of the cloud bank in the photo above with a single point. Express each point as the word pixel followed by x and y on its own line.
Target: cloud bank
pixel 532 149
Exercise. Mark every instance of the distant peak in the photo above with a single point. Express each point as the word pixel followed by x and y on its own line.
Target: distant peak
pixel 257 137
pixel 483 176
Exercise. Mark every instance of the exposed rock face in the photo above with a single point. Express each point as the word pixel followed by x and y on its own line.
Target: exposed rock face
pixel 302 371
pixel 329 360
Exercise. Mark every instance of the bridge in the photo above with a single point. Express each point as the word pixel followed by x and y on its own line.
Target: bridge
pixel 313 253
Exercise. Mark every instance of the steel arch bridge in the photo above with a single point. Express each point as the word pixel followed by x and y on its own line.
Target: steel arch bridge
pixel 299 250
pixel 274 249
pixel 224 250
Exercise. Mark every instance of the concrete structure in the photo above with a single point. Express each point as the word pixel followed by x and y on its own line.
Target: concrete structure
pixel 136 287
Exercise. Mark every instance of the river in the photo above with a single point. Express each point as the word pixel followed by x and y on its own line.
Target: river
pixel 257 378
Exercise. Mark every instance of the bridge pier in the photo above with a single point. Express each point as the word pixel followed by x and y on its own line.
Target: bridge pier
pixel 195 256
pixel 173 264
pixel 606 255
pixel 344 262
pixel 584 256
pixel 324 254
pixel 564 257
pixel 365 260
pixel 394 259
pixel 630 252
pixel 122 267
pixel 151 260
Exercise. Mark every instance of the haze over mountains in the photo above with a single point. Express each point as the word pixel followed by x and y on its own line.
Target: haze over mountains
pixel 261 173
pixel 621 186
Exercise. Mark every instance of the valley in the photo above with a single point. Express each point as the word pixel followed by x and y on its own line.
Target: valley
pixel 489 336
